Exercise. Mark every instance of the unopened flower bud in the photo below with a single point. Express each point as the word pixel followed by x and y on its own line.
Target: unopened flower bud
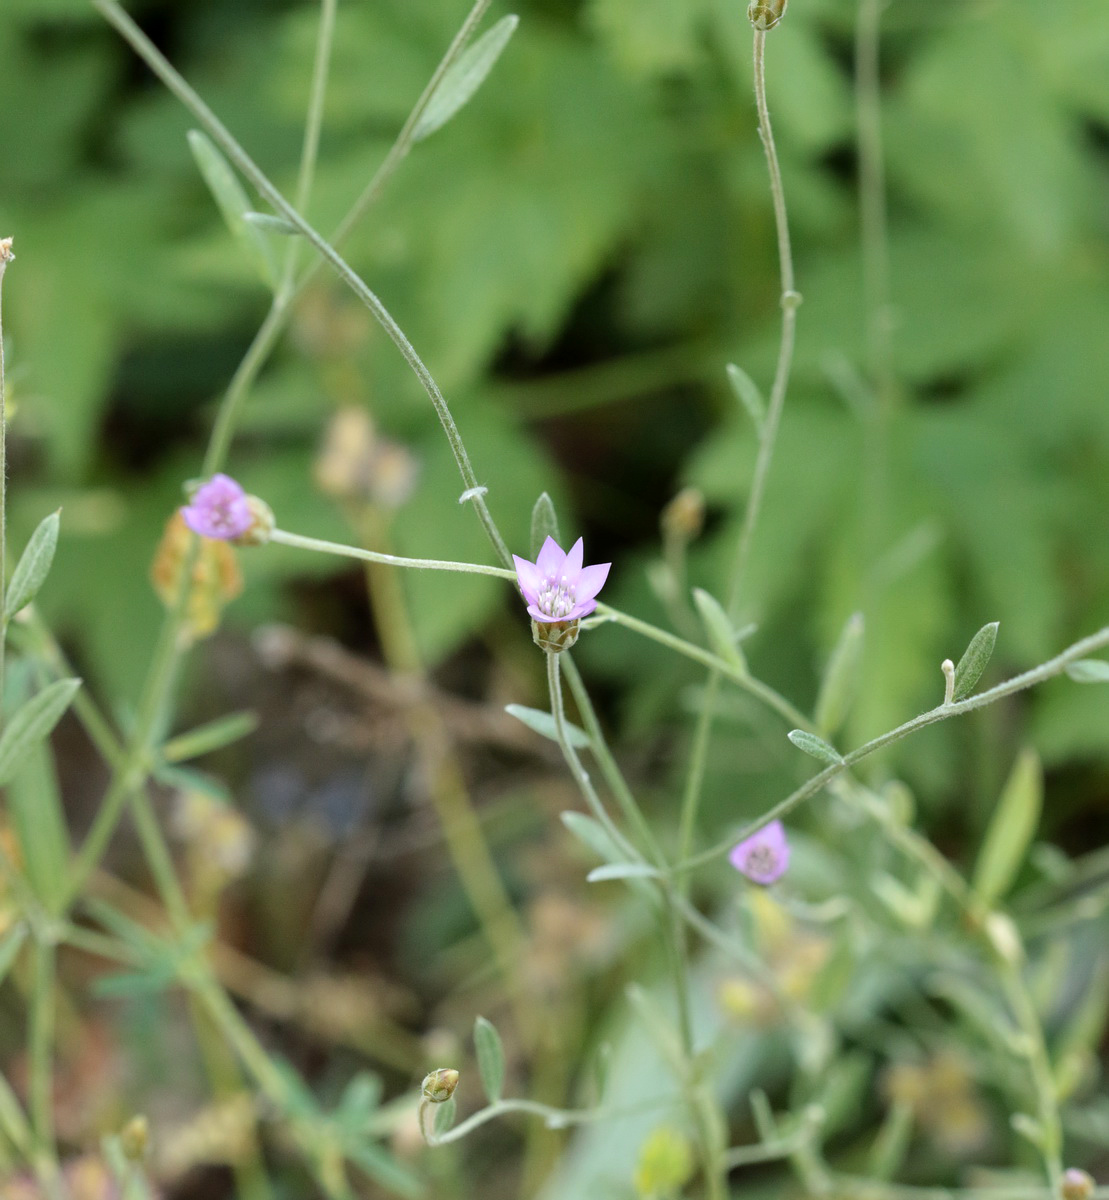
pixel 6 255
pixel 765 14
pixel 684 517
pixel 134 1138
pixel 555 635
pixel 438 1087
pixel 1077 1185
pixel 261 526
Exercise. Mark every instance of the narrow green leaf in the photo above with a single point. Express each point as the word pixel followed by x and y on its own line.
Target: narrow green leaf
pixel 233 204
pixel 32 722
pixel 37 817
pixel 544 524
pixel 621 870
pixel 490 1059
pixel 33 566
pixel 719 630
pixel 543 723
pixel 748 394
pixel 974 661
pixel 841 679
pixel 269 223
pixel 1028 1128
pixel 10 945
pixel 817 747
pixel 1011 829
pixel 592 834
pixel 464 77
pixel 210 737
pixel 1089 670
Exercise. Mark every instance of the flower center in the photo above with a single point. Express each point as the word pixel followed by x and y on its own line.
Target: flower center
pixel 761 860
pixel 557 597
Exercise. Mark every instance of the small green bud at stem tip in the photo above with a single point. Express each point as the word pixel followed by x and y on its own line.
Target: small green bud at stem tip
pixel 438 1087
pixel 765 14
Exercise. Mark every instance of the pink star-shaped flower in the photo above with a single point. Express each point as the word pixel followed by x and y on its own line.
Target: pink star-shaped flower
pixel 556 586
pixel 764 856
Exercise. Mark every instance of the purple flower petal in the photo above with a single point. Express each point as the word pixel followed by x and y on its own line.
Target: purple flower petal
pixel 219 509
pixel 550 559
pixel 529 578
pixel 764 856
pixel 571 568
pixel 590 581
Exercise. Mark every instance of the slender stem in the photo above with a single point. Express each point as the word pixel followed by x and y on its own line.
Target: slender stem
pixel 790 300
pixel 41 1054
pixel 1048 670
pixel 219 133
pixel 5 257
pixel 695 774
pixel 556 1118
pixel 281 537
pixel 761 691
pixel 872 196
pixel 581 776
pixel 610 769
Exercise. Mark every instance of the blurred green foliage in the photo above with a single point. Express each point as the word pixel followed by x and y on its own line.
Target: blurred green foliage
pixel 576 256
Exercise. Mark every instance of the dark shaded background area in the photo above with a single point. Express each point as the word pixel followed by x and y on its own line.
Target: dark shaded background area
pixel 576 256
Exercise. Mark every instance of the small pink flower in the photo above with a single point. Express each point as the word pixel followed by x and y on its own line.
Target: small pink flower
pixel 556 586
pixel 219 509
pixel 764 856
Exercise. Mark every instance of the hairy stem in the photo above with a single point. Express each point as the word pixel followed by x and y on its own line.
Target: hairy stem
pixel 1048 670
pixel 789 300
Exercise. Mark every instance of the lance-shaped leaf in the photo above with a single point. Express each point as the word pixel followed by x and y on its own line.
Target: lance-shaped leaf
pixel 33 566
pixel 214 735
pixel 490 1058
pixel 32 722
pixel 38 821
pixel 1089 670
pixel 974 661
pixel 748 394
pixel 233 204
pixel 841 679
pixel 817 747
pixel 1011 829
pixel 464 77
pixel 593 835
pixel 719 630
pixel 544 724
pixel 544 524
pixel 622 870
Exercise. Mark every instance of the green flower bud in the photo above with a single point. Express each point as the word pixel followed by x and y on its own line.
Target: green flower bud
pixel 261 524
pixel 555 635
pixel 765 14
pixel 438 1087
